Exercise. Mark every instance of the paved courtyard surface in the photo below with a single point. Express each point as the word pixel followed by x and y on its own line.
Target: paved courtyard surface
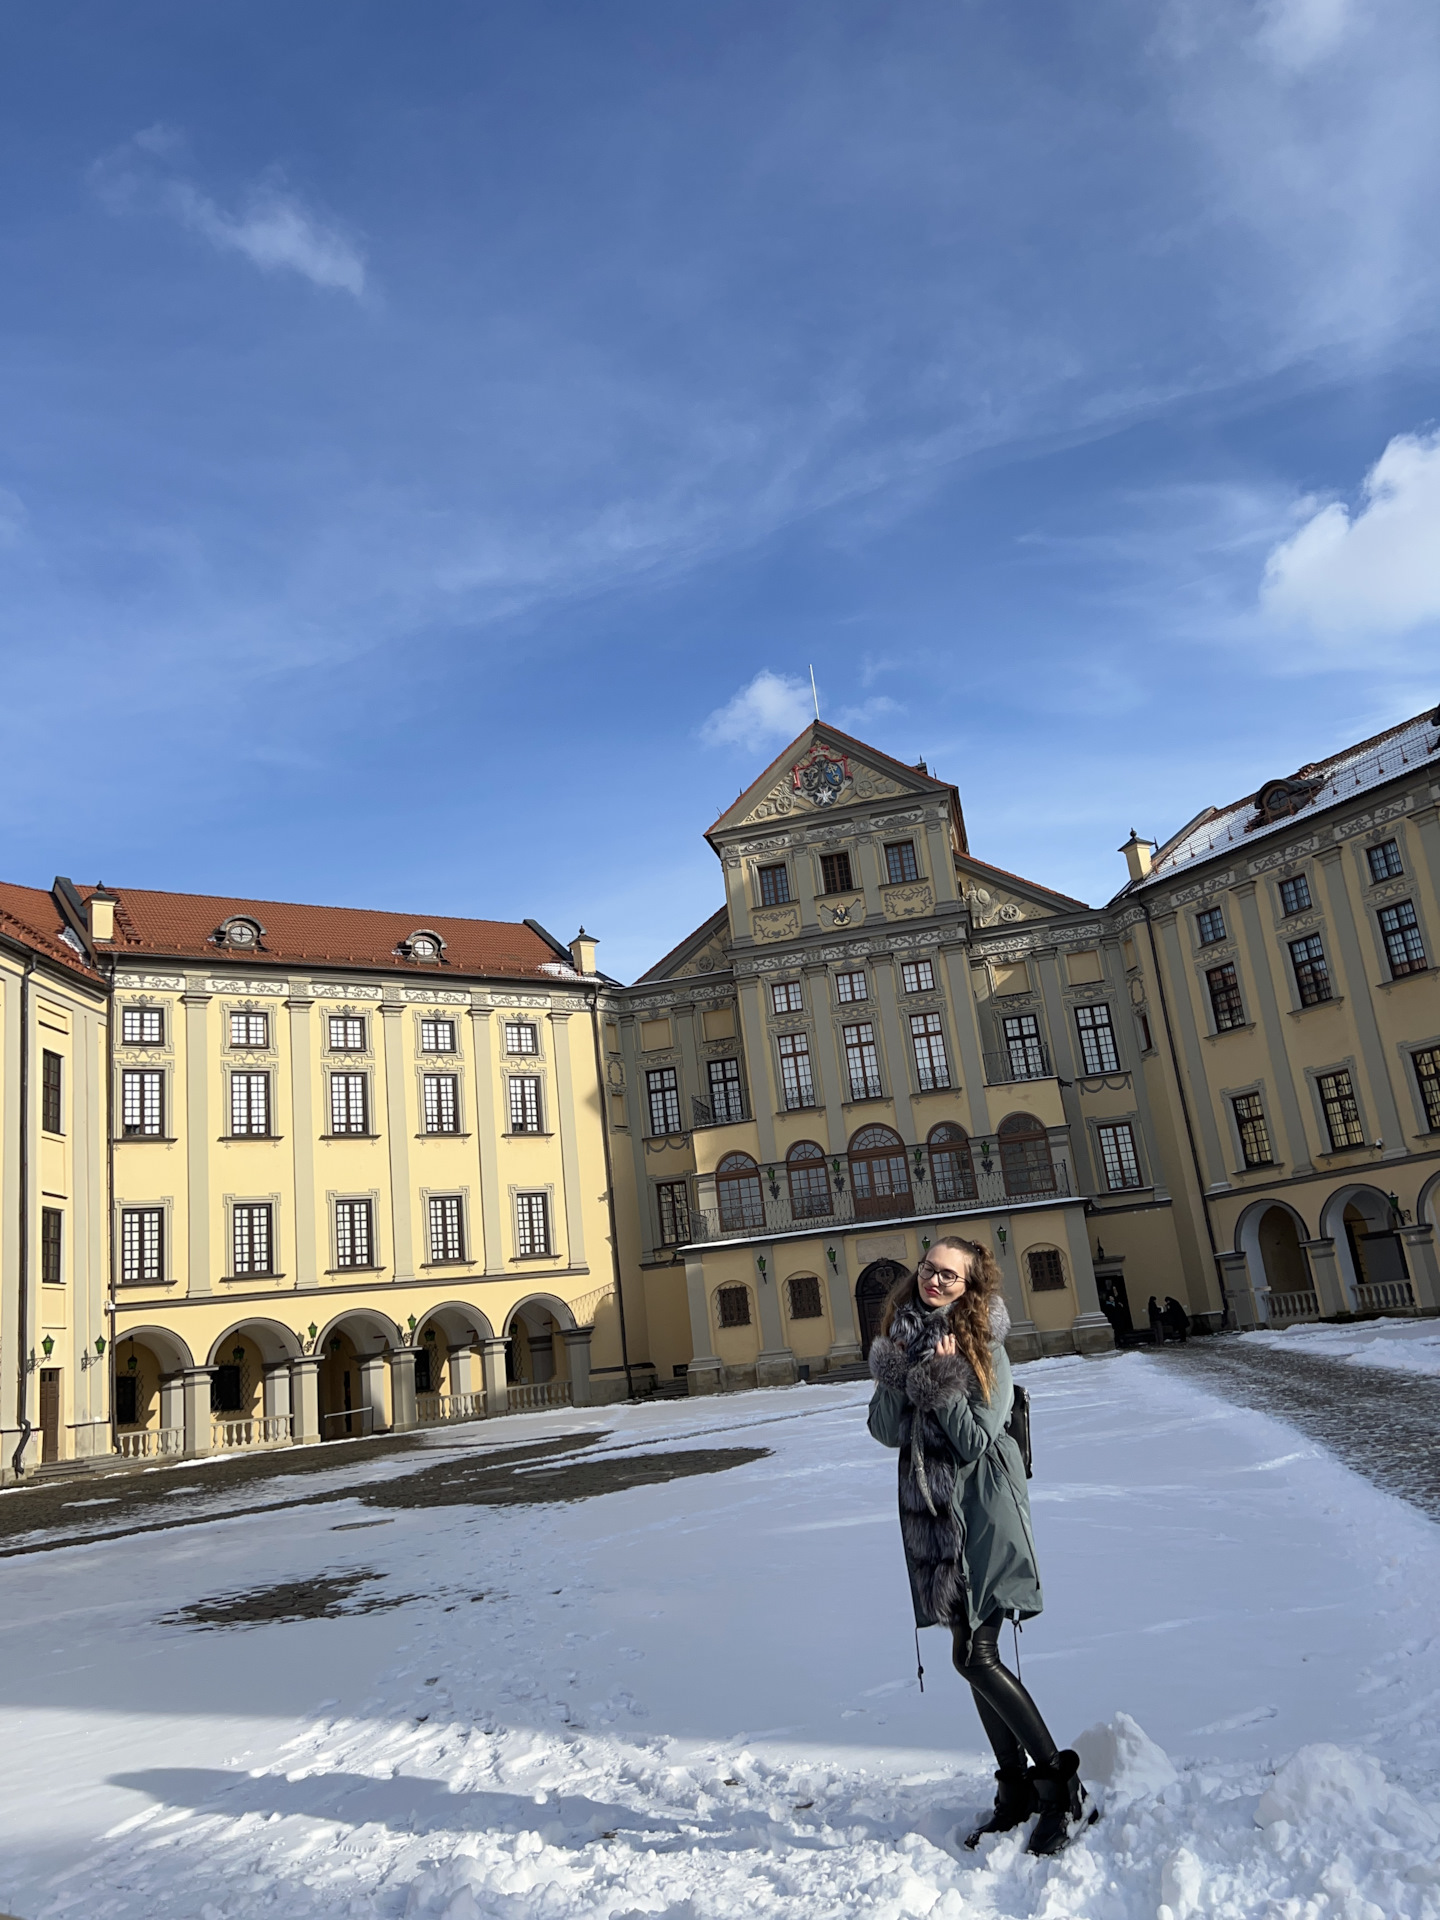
pixel 1382 1422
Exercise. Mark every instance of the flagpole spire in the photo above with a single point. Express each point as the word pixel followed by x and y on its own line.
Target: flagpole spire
pixel 813 694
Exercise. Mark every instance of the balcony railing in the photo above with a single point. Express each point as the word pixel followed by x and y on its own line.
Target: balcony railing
pixel 528 1397
pixel 704 1115
pixel 1028 1062
pixel 744 1216
pixel 149 1443
pixel 445 1409
pixel 268 1430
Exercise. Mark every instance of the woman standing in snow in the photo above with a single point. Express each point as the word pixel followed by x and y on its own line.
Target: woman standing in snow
pixel 943 1395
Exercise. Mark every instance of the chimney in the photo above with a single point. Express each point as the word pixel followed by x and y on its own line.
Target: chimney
pixel 100 914
pixel 582 952
pixel 1138 855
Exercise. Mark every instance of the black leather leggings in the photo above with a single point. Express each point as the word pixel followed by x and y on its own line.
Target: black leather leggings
pixel 1009 1716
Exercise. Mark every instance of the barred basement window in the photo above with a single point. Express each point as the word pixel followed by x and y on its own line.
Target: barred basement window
pixel 927 1033
pixel 1210 925
pixel 51 1114
pixel 249 1103
pixel 797 1086
pixel 347 1103
pixel 1385 861
pixel 673 1202
pixel 142 1243
pixel 1225 1002
pixel 900 862
pixel 1427 1073
pixel 732 1305
pixel 835 873
pixel 249 1030
pixel 524 1104
pixel 727 1100
pixel 1342 1111
pixel 774 886
pixel 252 1249
pixel 447 1239
pixel 1312 975
pixel 347 1033
pixel 804 1290
pixel 1097 1039
pixel 1117 1151
pixel 521 1037
pixel 141 1102
pixel 1404 948
pixel 437 1036
pixel 1295 895
pixel 50 1266
pixel 442 1106
pixel 532 1223
pixel 862 1060
pixel 142 1027
pixel 354 1234
pixel 851 986
pixel 662 1087
pixel 1254 1134
pixel 1047 1270
pixel 917 976
pixel 787 996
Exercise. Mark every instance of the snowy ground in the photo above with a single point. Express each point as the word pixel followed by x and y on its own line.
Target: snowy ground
pixel 1411 1346
pixel 697 1699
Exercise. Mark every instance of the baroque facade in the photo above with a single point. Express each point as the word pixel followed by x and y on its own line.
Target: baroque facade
pixel 273 1174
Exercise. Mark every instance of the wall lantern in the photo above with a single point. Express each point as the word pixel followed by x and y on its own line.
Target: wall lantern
pixel 237 1354
pixel 411 1323
pixel 334 1343
pixel 47 1346
pixel 430 1334
pixel 100 1346
pixel 1002 1236
pixel 760 1263
pixel 830 1256
pixel 132 1365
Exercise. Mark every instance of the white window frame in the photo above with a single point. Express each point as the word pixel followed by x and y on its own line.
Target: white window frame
pixel 338 1100
pixel 524 1102
pixel 439 1102
pixel 249 1102
pixel 137 1226
pixel 532 1212
pixel 139 1015
pixel 247 1214
pixel 932 1064
pixel 150 1098
pixel 445 1229
pixel 344 1207
pixel 917 976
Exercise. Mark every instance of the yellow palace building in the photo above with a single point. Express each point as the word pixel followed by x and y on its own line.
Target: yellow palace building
pixel 274 1174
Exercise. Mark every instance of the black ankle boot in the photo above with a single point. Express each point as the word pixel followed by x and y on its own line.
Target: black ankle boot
pixel 1014 1804
pixel 1064 1805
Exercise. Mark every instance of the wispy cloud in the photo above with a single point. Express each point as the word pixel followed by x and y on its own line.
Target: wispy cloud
pixel 273 228
pixel 772 707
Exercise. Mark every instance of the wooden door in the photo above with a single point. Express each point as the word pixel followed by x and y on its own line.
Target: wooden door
pixel 49 1415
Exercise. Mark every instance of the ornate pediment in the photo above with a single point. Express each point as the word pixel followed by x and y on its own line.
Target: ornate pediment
pixel 821 771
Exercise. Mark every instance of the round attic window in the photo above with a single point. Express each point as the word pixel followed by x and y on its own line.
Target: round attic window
pixel 423 947
pixel 240 934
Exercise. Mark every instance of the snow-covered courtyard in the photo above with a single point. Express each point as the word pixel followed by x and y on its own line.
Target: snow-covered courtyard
pixel 698 1698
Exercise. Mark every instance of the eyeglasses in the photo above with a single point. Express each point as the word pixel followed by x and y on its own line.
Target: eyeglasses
pixel 927 1270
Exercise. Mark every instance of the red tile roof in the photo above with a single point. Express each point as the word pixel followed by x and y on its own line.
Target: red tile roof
pixel 182 926
pixel 30 915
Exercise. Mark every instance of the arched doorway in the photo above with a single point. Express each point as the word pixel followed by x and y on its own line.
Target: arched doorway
pixel 351 1377
pixel 148 1406
pixel 870 1291
pixel 879 1174
pixel 536 1354
pixel 1368 1250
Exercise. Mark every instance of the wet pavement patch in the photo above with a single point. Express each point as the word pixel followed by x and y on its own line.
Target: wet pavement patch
pixel 329 1596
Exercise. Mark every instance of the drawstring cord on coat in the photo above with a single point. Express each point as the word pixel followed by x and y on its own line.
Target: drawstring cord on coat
pixel 919 1665
pixel 1015 1626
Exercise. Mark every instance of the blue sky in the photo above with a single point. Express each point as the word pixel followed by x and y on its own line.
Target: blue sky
pixel 437 440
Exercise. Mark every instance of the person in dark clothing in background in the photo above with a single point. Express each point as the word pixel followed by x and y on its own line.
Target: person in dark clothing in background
pixel 1176 1318
pixel 1157 1322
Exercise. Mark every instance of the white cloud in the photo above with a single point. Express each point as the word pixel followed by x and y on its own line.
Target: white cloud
pixel 1297 33
pixel 1373 572
pixel 772 707
pixel 273 228
pixel 12 518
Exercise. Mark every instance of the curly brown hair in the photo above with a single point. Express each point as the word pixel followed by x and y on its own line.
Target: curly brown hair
pixel 969 1316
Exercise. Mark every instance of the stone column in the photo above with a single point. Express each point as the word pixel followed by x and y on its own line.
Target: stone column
pixel 372 1392
pixel 1239 1296
pixel 577 1352
pixel 397 1139
pixel 402 1389
pixel 1023 1340
pixel 196 1391
pixel 302 1144
pixel 564 1121
pixel 197 1142
pixel 172 1400
pixel 1329 1288
pixel 846 1352
pixel 276 1389
pixel 775 1363
pixel 1419 1244
pixel 305 1399
pixel 1092 1331
pixel 706 1371
pixel 462 1371
pixel 492 1371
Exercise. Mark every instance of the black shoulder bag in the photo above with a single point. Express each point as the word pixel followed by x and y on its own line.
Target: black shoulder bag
pixel 1018 1428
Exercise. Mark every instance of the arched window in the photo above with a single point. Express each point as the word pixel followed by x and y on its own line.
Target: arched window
pixel 737 1190
pixel 1025 1156
pixel 951 1167
pixel 809 1182
pixel 879 1175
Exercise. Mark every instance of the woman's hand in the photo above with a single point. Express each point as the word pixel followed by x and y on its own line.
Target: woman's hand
pixel 946 1348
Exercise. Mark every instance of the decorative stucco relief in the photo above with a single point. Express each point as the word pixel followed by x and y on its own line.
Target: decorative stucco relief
pixel 909 900
pixel 775 923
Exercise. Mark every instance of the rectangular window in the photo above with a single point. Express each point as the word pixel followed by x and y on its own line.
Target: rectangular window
pixel 927 1034
pixel 662 1086
pixel 1404 948
pixel 141 1101
pixel 787 996
pixel 50 1111
pixel 354 1234
pixel 1097 1038
pixel 1427 1072
pixel 851 986
pixel 249 1030
pixel 1047 1270
pixel 862 1061
pixel 1342 1112
pixel 796 1082
pixel 804 1291
pixel 1295 895
pixel 521 1037
pixel 1312 975
pixel 437 1036
pixel 532 1223
pixel 1254 1134
pixel 142 1027
pixel 447 1236
pixel 347 1033
pixel 252 1248
pixel 917 976
pixel 727 1100
pixel 1385 861
pixel 127 1400
pixel 674 1204
pixel 732 1304
pixel 525 1104
pixel 774 886
pixel 50 1272
pixel 1210 925
pixel 835 873
pixel 142 1243
pixel 249 1103
pixel 1147 1044
pixel 1225 1002
pixel 1024 1046
pixel 1117 1151
pixel 900 861
pixel 348 1103
pixel 442 1105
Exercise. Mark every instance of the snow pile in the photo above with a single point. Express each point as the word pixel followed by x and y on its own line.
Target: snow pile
pixel 1407 1346
pixel 1124 1761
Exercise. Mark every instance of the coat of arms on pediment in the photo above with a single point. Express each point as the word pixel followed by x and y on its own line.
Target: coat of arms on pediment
pixel 822 775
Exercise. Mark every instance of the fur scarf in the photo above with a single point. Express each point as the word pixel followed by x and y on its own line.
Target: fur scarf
pixel 930 1524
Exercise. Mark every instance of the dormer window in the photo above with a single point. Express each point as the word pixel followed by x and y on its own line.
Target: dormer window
pixel 239 932
pixel 423 944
